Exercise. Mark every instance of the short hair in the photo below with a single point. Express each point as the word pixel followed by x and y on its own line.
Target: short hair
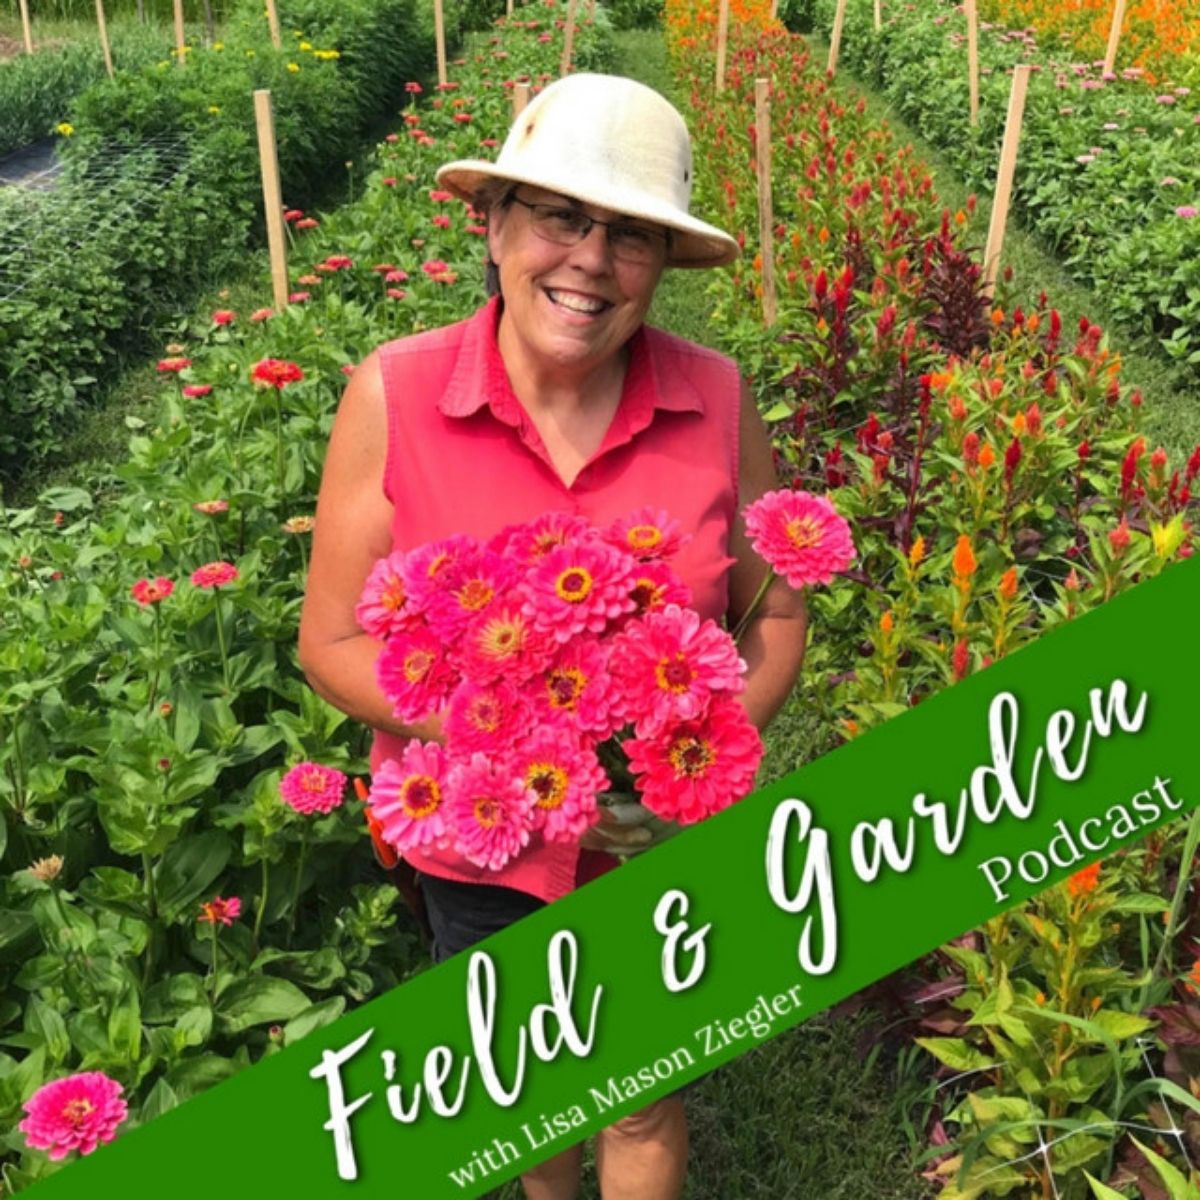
pixel 490 195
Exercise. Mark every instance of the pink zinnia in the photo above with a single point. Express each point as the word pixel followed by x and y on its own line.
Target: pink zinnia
pixel 407 797
pixel 654 585
pixel 648 533
pixel 565 777
pixel 801 536
pixel 577 689
pixel 533 540
pixel 261 314
pixel 220 910
pixel 224 316
pixel 471 588
pixel 486 717
pixel 501 643
pixel 668 664
pixel 414 675
pixel 196 391
pixel 699 767
pixel 75 1113
pixel 214 574
pixel 152 591
pixel 1187 211
pixel 491 810
pixel 383 608
pixel 435 266
pixel 172 365
pixel 311 788
pixel 577 589
pixel 429 569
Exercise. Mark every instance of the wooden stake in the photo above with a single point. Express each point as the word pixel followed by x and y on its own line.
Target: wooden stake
pixel 878 15
pixel 439 33
pixel 103 27
pixel 592 10
pixel 520 99
pixel 564 67
pixel 722 42
pixel 268 157
pixel 973 58
pixel 509 8
pixel 835 41
pixel 1004 178
pixel 766 216
pixel 1114 37
pixel 273 23
pixel 26 28
pixel 774 10
pixel 180 40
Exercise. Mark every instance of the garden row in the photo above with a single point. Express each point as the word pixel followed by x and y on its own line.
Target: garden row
pixel 1109 168
pixel 150 700
pixel 161 193
pixel 990 462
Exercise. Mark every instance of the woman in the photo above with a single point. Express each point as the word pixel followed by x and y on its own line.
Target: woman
pixel 554 397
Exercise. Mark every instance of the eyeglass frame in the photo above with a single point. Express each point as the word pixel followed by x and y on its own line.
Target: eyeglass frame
pixel 589 223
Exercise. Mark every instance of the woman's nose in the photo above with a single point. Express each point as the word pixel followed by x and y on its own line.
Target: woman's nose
pixel 593 253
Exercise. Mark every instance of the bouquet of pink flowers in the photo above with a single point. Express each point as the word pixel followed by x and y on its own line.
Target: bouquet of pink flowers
pixel 559 656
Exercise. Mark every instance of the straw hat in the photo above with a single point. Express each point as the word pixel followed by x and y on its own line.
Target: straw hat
pixel 611 142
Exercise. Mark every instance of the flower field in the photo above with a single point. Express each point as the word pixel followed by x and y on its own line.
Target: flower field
pixel 990 461
pixel 188 883
pixel 182 921
pixel 1134 143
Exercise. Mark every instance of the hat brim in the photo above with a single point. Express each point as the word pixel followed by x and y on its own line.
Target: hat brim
pixel 695 243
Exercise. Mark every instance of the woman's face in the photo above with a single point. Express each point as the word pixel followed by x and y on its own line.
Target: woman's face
pixel 568 308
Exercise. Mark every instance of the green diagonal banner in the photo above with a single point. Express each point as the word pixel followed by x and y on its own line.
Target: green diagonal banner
pixel 723 937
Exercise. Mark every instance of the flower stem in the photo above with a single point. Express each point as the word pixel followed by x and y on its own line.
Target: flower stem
pixel 221 640
pixel 296 886
pixel 157 659
pixel 212 995
pixel 748 615
pixel 279 442
pixel 1190 843
pixel 262 904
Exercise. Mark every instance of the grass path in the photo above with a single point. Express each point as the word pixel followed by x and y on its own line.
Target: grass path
pixel 801 1117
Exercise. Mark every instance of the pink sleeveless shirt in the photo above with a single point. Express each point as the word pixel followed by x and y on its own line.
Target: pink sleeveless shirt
pixel 464 457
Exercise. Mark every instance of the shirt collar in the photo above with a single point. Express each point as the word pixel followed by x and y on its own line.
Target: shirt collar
pixel 479 377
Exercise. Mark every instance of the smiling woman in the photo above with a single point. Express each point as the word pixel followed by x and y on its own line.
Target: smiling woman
pixel 554 401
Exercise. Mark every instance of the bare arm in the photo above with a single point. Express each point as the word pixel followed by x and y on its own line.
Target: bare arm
pixel 353 530
pixel 773 642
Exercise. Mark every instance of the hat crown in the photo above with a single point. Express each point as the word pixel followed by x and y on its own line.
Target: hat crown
pixel 603 136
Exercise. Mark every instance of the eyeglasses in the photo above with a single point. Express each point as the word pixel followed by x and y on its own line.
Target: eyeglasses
pixel 569 226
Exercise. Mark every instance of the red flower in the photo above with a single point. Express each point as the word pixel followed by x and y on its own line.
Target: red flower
pixel 1084 881
pixel 307 223
pixel 961 659
pixel 435 266
pixel 1119 538
pixel 224 316
pixel 1012 457
pixel 275 372
pixel 194 391
pixel 413 88
pixel 220 911
pixel 173 365
pixel 151 591
pixel 293 214
pixel 214 575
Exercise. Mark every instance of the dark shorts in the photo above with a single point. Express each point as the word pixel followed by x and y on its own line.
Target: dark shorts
pixel 461 914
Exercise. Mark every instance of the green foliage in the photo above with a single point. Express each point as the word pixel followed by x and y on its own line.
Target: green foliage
pixel 634 14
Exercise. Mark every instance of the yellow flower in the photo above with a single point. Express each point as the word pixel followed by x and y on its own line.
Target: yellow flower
pixel 214 109
pixel 65 128
pixel 327 55
pixel 218 45
pixel 249 53
pixel 306 46
pixel 293 67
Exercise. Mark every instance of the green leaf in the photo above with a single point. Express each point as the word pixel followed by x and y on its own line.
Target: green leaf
pixel 47 1023
pixel 162 1098
pixel 956 1053
pixel 1172 1177
pixel 125 1026
pixel 1140 902
pixel 1101 1190
pixel 195 1075
pixel 257 1000
pixel 188 869
pixel 1121 1025
pixel 314 1017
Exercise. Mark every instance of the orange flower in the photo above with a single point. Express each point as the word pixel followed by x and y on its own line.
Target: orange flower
pixel 917 553
pixel 1008 584
pixel 997 316
pixel 964 560
pixel 987 455
pixel 1085 881
pixel 886 622
pixel 1194 978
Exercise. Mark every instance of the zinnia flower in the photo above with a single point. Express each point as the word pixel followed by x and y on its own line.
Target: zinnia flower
pixel 407 797
pixel 219 911
pixel 305 524
pixel 801 536
pixel 486 717
pixel 697 768
pixel 224 316
pixel 429 568
pixel 533 540
pixel 577 689
pixel 311 788
pixel 647 533
pixel 75 1113
pixel 501 643
pixel 667 665
pixel 152 591
pixel 195 391
pixel 211 508
pixel 579 588
pixel 214 575
pixel 414 674
pixel 491 810
pixel 654 585
pixel 470 589
pixel 565 777
pixel 172 365
pixel 275 372
pixel 383 608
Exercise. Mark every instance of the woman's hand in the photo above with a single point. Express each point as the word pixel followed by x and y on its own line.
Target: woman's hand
pixel 610 835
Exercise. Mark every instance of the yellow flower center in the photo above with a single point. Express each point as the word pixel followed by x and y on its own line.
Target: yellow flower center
pixel 420 795
pixel 501 638
pixel 565 685
pixel 802 532
pixel 549 782
pixel 475 594
pixel 647 595
pixel 573 585
pixel 78 1110
pixel 673 673
pixel 393 596
pixel 691 756
pixel 644 537
pixel 487 811
pixel 416 665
